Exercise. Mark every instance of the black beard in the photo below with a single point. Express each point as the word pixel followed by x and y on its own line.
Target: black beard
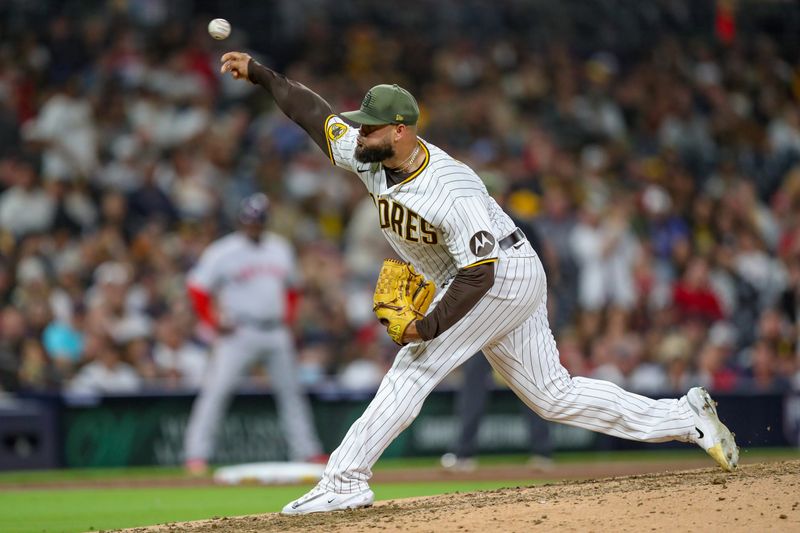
pixel 374 155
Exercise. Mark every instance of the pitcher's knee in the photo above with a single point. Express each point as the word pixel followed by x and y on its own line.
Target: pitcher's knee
pixel 402 415
pixel 552 402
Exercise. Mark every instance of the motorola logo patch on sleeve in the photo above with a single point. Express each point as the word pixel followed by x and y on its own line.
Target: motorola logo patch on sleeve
pixel 482 243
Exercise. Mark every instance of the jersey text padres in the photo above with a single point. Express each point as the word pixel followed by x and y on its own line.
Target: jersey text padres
pixel 440 218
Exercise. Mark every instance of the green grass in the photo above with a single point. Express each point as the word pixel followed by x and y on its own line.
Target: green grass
pixel 69 510
pixel 150 472
pixel 88 474
pixel 84 510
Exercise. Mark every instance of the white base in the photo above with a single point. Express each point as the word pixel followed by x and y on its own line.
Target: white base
pixel 269 473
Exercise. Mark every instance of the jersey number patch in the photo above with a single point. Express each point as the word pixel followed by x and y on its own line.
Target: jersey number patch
pixel 481 244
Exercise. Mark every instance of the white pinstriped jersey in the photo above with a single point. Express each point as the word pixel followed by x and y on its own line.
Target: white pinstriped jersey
pixel 440 218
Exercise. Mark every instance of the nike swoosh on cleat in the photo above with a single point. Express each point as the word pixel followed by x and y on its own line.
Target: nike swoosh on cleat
pixel 297 504
pixel 698 430
pixel 329 501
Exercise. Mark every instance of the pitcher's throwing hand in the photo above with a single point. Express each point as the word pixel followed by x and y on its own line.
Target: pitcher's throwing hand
pixel 236 63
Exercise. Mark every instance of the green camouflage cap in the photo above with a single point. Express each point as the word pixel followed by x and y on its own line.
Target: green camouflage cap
pixel 385 104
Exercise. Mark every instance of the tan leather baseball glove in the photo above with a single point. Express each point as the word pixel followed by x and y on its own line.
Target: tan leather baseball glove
pixel 401 297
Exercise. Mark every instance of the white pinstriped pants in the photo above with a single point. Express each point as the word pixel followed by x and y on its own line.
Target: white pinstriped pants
pixel 510 325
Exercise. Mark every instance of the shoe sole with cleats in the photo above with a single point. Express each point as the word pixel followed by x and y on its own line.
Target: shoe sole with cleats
pixel 722 446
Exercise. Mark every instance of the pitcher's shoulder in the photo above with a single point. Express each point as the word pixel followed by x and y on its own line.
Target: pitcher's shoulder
pixel 453 174
pixel 443 161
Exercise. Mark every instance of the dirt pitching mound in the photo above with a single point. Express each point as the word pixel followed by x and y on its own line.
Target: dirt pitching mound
pixel 758 497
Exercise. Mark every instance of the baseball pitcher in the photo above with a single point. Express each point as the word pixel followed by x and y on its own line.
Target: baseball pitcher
pixel 239 288
pixel 490 293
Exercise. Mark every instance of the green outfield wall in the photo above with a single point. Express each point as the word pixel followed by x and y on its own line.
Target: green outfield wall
pixel 83 431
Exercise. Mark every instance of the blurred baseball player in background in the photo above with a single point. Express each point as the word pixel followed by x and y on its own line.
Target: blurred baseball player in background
pixel 239 288
pixel 436 213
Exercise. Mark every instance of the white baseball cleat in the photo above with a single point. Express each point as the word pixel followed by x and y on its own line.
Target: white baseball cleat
pixel 319 500
pixel 712 435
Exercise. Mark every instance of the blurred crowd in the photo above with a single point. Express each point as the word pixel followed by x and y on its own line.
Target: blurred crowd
pixel 658 160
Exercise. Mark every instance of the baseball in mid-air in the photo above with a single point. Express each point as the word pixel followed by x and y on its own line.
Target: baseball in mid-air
pixel 219 29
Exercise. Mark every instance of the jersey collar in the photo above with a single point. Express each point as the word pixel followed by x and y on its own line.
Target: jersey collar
pixel 422 166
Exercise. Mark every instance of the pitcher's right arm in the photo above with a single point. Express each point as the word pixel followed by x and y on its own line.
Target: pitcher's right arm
pixel 305 107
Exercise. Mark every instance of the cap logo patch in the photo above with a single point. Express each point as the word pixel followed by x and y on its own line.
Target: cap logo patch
pixel 482 243
pixel 367 100
pixel 398 117
pixel 336 131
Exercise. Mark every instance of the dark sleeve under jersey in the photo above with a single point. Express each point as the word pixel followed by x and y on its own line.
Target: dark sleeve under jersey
pixel 468 286
pixel 298 102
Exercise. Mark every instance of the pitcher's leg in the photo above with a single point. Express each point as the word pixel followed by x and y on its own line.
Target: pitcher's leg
pixel 292 403
pixel 528 360
pixel 419 367
pixel 396 404
pixel 231 355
